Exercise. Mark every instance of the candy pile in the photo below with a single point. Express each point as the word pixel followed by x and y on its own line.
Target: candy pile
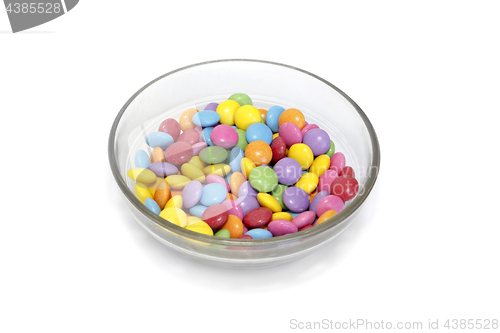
pixel 242 172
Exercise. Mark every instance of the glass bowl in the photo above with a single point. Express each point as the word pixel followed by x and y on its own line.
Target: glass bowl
pixel 268 84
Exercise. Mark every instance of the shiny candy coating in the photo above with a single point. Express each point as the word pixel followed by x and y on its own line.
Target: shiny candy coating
pixel 170 126
pixel 197 162
pixel 235 182
pixel 190 136
pixel 246 165
pixel 268 201
pixel 193 172
pixel 206 118
pixel 347 171
pixel 281 228
pixel 191 194
pixel 214 179
pixel 263 179
pixel 175 201
pixel 302 154
pixel 174 215
pixel 219 169
pixel 163 169
pixel 308 182
pixel 273 116
pixel 277 193
pixel 207 135
pixel 345 187
pixel 263 113
pixel 186 119
pixel 331 150
pixel 326 180
pixel 320 165
pixel 328 203
pixel 211 106
pixel 179 153
pixel 303 219
pixel 233 208
pixel 200 227
pixel 259 152
pixel 296 199
pixel 141 175
pixel 199 146
pixel 242 139
pixel 159 139
pixel 177 182
pixel 259 233
pixel 278 148
pixel 226 111
pixel 317 199
pixel 325 216
pixel 247 203
pixel 288 171
pixel 141 159
pixel 213 194
pixel 292 116
pixel 224 233
pixel 257 217
pixel 241 99
pixel 318 140
pixel 291 133
pixel 213 155
pixel 245 116
pixel 282 216
pixel 337 162
pixel 234 225
pixel 162 194
pixel 157 155
pixel 224 136
pixel 247 189
pixel 215 215
pixel 307 128
pixel 152 206
pixel 259 131
pixel 197 210
pixel 235 157
pixel 142 192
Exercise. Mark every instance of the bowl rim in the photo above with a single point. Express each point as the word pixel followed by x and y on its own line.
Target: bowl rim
pixel 290 238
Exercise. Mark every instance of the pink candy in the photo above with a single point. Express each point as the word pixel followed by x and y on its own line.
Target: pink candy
pixel 337 162
pixel 281 227
pixel 219 180
pixel 326 180
pixel 224 136
pixel 291 133
pixel 328 203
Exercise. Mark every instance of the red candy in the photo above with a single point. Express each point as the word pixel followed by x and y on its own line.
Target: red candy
pixel 178 153
pixel 190 136
pixel 345 187
pixel 245 237
pixel 215 215
pixel 278 146
pixel 172 127
pixel 258 217
pixel 347 171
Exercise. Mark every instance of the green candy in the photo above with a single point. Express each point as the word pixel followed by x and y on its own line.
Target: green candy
pixel 224 233
pixel 331 151
pixel 277 194
pixel 213 155
pixel 263 179
pixel 241 99
pixel 242 139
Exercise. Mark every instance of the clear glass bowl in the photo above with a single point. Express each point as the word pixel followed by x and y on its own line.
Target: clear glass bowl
pixel 267 84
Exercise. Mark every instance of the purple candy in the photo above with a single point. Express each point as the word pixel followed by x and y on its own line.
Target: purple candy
pixel 247 189
pixel 163 169
pixel 191 193
pixel 281 227
pixel 288 171
pixel 303 219
pixel 318 140
pixel 296 199
pixel 211 106
pixel 317 198
pixel 247 203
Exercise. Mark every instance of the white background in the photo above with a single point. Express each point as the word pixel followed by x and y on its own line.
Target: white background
pixel 425 245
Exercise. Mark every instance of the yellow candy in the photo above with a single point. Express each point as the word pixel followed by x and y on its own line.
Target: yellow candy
pixel 308 182
pixel 177 182
pixel 268 201
pixel 275 135
pixel 325 216
pixel 197 162
pixel 153 186
pixel 282 216
pixel 200 227
pixel 302 154
pixel 320 165
pixel 219 169
pixel 193 172
pixel 246 116
pixel 226 111
pixel 247 165
pixel 141 175
pixel 193 219
pixel 175 201
pixel 174 215
pixel 142 192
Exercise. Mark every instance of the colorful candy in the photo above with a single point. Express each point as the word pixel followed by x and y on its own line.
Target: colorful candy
pixel 242 172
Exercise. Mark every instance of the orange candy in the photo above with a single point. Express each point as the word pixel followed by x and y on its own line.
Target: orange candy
pixel 312 195
pixel 263 113
pixel 293 116
pixel 176 192
pixel 231 196
pixel 237 178
pixel 234 225
pixel 186 119
pixel 162 194
pixel 259 152
pixel 325 216
pixel 157 155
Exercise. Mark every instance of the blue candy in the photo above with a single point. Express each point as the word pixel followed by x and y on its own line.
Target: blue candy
pixel 152 206
pixel 159 139
pixel 207 132
pixel 259 131
pixel 206 118
pixel 213 194
pixel 235 157
pixel 273 117
pixel 197 210
pixel 259 233
pixel 142 159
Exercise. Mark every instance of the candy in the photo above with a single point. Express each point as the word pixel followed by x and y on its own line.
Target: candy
pixel 304 219
pixel 247 189
pixel 259 233
pixel 219 169
pixel 211 106
pixel 259 152
pixel 234 225
pixel 268 201
pixel 345 187
pixel 302 154
pixel 337 162
pixel 318 140
pixel 320 165
pixel 197 147
pixel 191 193
pixel 290 133
pixel 247 203
pixel 282 216
pixel 190 136
pixel 235 182
pixel 213 155
pixel 288 171
pixel 277 193
pixel 307 128
pixel 175 201
pixel 177 182
pixel 159 139
pixel 224 233
pixel 141 159
pixel 226 111
pixel 273 116
pixel 170 126
pixel 241 99
pixel 215 215
pixel 263 113
pixel 206 118
pixel 257 217
pixel 207 135
pixel 296 199
pixel 317 199
pixel 152 206
pixel 233 208
pixel 347 171
pixel 224 136
pixel 292 116
pixel 141 175
pixel 259 131
pixel 325 216
pixel 162 194
pixel 200 227
pixel 186 119
pixel 179 153
pixel 330 202
pixel 308 182
pixel 213 194
pixel 263 179
pixel 235 157
pixel 278 148
pixel 197 162
pixel 174 215
pixel 214 179
pixel 326 179
pixel 281 228
pixel 246 165
pixel 157 155
pixel 245 116
pixel 163 169
pixel 193 219
pixel 198 210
